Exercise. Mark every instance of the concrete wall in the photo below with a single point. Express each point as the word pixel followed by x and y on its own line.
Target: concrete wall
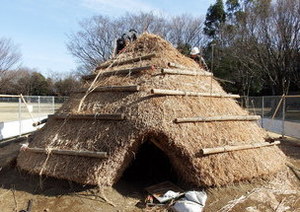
pixel 290 128
pixel 15 128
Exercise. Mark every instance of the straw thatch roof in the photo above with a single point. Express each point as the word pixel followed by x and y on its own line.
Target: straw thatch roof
pixel 151 117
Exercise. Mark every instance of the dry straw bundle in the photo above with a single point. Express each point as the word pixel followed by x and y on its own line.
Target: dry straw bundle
pixel 150 117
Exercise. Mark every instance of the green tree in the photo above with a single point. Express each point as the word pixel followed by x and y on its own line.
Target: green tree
pixel 64 87
pixel 39 85
pixel 215 17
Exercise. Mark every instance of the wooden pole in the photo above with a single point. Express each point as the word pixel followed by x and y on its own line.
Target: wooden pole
pixel 116 117
pixel 208 151
pixel 79 153
pixel 176 65
pixel 217 118
pixel 35 124
pixel 122 71
pixel 9 96
pixel 185 72
pixel 223 80
pixel 190 93
pixel 24 101
pixel 129 88
pixel 123 62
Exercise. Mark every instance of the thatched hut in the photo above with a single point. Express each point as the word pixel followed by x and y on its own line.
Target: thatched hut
pixel 145 97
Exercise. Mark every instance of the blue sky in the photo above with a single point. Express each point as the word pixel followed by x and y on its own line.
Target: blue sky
pixel 40 27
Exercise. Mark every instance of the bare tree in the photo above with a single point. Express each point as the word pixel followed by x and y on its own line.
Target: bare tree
pixel 185 29
pixel 10 56
pixel 94 42
pixel 264 44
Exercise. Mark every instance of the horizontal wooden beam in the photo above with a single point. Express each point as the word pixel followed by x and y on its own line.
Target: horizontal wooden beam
pixel 224 80
pixel 9 96
pixel 185 72
pixel 208 151
pixel 123 62
pixel 129 88
pixel 191 93
pixel 43 121
pixel 176 65
pixel 79 153
pixel 217 118
pixel 115 72
pixel 292 96
pixel 116 117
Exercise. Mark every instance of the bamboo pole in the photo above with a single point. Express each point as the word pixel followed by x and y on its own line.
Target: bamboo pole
pixel 129 88
pixel 217 118
pixel 79 153
pixel 292 96
pixel 35 124
pixel 224 80
pixel 123 62
pixel 9 96
pixel 27 106
pixel 185 72
pixel 116 117
pixel 176 65
pixel 208 151
pixel 122 71
pixel 190 93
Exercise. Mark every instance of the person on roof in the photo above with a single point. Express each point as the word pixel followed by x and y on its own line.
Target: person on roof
pixel 122 42
pixel 132 34
pixel 195 55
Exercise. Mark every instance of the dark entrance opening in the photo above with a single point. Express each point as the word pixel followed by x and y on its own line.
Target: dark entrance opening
pixel 150 166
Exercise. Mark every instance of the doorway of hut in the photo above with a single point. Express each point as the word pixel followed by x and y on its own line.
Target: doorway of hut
pixel 150 166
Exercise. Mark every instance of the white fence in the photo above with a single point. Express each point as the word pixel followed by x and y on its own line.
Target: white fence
pixel 280 114
pixel 17 114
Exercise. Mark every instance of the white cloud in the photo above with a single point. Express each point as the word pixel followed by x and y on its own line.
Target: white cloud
pixel 112 6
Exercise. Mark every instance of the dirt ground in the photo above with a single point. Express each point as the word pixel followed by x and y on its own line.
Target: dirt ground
pixel 280 193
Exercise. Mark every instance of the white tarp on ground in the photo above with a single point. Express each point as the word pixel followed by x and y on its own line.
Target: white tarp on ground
pixel 290 128
pixel 14 128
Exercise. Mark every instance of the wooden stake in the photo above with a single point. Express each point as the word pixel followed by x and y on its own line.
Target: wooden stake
pixel 79 153
pixel 129 88
pixel 185 72
pixel 190 93
pixel 115 72
pixel 116 117
pixel 208 151
pixel 122 62
pixel 217 118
